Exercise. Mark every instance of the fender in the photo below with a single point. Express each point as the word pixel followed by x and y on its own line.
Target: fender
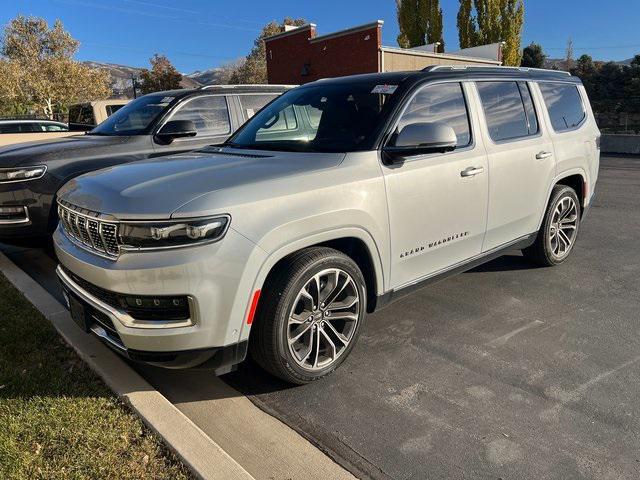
pixel 567 173
pixel 306 241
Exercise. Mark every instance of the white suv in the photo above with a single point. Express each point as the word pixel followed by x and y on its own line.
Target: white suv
pixel 334 199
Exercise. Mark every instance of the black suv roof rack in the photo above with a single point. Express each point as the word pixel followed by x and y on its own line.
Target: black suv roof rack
pixel 490 69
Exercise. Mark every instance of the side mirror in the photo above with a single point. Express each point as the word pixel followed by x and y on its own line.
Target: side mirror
pixel 176 129
pixel 420 139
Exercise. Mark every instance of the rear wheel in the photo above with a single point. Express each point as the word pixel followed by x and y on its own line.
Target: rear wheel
pixel 559 231
pixel 310 315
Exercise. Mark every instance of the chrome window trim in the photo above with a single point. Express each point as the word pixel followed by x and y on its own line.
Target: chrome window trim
pixel 121 316
pixel 26 218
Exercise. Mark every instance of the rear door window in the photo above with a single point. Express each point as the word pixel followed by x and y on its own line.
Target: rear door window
pixel 504 110
pixel 564 105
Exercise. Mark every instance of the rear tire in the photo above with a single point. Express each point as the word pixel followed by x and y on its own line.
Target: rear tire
pixel 559 231
pixel 310 315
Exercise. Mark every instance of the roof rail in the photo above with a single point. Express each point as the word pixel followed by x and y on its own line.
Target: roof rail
pixel 432 68
pixel 245 85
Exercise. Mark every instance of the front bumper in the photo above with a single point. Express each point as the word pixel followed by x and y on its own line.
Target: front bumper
pixel 99 318
pixel 214 277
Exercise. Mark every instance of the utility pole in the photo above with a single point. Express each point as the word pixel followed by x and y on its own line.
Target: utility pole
pixel 134 84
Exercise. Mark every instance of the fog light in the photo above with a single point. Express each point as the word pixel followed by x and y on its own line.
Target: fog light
pixel 12 214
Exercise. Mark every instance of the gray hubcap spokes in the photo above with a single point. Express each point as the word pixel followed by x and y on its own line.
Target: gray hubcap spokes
pixel 564 226
pixel 323 319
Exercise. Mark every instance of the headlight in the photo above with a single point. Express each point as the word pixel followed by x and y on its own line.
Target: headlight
pixel 172 233
pixel 8 175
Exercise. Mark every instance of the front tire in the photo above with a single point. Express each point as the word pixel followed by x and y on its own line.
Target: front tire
pixel 311 313
pixel 559 231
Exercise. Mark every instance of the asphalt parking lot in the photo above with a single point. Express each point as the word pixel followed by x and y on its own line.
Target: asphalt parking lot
pixel 506 371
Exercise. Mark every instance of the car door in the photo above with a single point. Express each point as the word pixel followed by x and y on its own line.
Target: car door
pixel 211 117
pixel 437 202
pixel 521 160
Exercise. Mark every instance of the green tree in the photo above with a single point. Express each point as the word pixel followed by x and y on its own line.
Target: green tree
pixel 420 23
pixel 482 22
pixel 162 76
pixel 38 70
pixel 254 68
pixel 533 56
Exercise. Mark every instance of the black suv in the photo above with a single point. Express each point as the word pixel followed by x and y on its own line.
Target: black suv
pixel 154 125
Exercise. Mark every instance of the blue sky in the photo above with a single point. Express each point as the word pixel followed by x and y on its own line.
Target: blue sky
pixel 200 34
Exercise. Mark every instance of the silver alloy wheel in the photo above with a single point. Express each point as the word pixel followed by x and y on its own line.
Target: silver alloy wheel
pixel 323 319
pixel 563 227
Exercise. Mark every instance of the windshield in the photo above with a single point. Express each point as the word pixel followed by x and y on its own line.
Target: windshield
pixel 318 118
pixel 135 117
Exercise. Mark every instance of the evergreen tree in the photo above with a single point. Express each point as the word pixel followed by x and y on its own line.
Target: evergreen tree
pixel 482 22
pixel 533 56
pixel 420 23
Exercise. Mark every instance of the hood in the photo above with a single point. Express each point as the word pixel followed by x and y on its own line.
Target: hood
pixel 47 151
pixel 154 189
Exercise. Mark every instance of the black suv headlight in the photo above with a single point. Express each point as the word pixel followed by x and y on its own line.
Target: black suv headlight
pixel 158 235
pixel 21 174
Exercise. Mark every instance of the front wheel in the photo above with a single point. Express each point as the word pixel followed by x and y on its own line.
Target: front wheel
pixel 310 315
pixel 559 231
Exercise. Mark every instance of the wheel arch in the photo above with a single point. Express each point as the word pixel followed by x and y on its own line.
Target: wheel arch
pixel 353 242
pixel 575 178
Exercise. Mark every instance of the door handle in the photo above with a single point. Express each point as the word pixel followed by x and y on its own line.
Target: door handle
pixel 471 171
pixel 543 155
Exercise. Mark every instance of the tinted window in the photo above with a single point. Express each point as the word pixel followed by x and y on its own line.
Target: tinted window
pixel 208 113
pixel 111 109
pixel 345 118
pixel 504 110
pixel 440 103
pixel 252 103
pixel 82 114
pixel 564 105
pixel 21 127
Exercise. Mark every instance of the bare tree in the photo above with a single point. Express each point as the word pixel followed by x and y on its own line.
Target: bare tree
pixel 568 58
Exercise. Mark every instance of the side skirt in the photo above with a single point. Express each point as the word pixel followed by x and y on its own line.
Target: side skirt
pixel 393 295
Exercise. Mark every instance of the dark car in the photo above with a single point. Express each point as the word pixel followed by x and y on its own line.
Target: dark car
pixel 154 125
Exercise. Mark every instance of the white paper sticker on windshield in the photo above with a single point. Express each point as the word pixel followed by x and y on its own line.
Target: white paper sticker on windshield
pixel 384 89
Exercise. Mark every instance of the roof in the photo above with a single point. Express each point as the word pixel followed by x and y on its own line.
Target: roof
pixel 440 56
pixel 454 71
pixel 30 120
pixel 254 88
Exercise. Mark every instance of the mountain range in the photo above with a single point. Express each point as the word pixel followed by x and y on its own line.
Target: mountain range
pixel 122 77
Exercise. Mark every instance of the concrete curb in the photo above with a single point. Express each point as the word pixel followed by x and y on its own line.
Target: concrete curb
pixel 201 454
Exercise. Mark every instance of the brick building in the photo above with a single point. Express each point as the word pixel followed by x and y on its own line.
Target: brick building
pixel 299 55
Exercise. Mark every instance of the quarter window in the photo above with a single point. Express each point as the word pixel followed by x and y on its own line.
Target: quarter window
pixel 208 113
pixel 443 103
pixel 252 103
pixel 564 105
pixel 508 110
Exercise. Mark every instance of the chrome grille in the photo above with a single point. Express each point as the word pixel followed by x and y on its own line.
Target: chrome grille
pixel 89 230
